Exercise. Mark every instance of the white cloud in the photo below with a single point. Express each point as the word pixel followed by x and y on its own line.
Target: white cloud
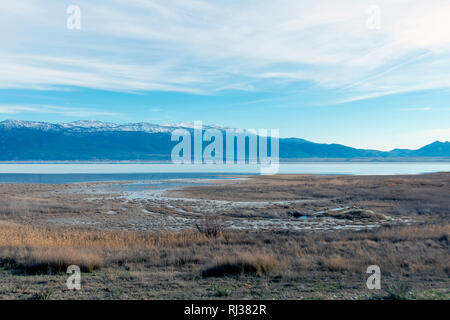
pixel 417 109
pixel 64 111
pixel 33 71
pixel 208 46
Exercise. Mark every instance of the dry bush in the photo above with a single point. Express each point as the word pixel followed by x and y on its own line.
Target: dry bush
pixel 56 260
pixel 211 226
pixel 243 263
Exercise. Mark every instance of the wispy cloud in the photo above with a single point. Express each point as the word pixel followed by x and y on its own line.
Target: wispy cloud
pixel 64 111
pixel 417 109
pixel 205 47
pixel 41 72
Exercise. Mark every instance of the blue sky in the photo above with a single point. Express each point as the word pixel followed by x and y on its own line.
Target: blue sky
pixel 347 72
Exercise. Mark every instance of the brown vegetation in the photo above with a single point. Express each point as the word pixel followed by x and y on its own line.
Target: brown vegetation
pixel 211 226
pixel 206 259
pixel 393 195
pixel 243 263
pixel 355 214
pixel 412 249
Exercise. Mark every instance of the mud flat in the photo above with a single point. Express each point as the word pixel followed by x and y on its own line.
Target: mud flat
pixel 278 203
pixel 183 204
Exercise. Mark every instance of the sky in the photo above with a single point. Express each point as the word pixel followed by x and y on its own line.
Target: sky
pixel 372 75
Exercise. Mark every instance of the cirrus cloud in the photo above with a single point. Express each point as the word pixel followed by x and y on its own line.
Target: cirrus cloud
pixel 206 47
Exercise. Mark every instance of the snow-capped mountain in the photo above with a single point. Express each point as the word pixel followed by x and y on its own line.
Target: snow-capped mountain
pixel 89 126
pixel 191 125
pixel 99 126
pixel 14 124
pixel 96 140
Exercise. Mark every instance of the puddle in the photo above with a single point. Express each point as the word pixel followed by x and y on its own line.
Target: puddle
pixel 339 209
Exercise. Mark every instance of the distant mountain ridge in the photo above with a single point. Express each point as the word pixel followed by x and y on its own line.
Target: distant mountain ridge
pixel 95 140
pixel 86 126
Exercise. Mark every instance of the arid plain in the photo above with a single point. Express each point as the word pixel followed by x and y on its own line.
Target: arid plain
pixel 273 237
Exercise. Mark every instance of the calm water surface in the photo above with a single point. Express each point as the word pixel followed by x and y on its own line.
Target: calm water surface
pixel 93 172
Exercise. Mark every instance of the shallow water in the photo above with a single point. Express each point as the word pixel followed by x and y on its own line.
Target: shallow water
pixel 96 172
pixel 143 190
pixel 152 179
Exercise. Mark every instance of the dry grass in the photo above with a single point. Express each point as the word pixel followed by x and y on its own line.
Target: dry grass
pixel 393 195
pixel 142 262
pixel 147 263
pixel 51 250
pixel 9 208
pixel 415 233
pixel 15 235
pixel 17 206
pixel 355 214
pixel 55 260
pixel 211 226
pixel 243 264
pixel 414 249
pixel 337 263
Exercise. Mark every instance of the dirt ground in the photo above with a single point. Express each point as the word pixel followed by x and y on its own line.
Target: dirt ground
pixel 265 237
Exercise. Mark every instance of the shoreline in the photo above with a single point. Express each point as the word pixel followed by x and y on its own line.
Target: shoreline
pixel 284 160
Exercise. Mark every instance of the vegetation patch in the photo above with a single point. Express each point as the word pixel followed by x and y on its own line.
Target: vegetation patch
pixel 242 264
pixel 56 260
pixel 356 214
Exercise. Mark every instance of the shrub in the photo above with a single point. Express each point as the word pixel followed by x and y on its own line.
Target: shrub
pixel 44 295
pixel 57 260
pixel 222 291
pixel 398 292
pixel 243 263
pixel 211 226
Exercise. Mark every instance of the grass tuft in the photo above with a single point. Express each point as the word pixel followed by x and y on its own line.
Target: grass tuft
pixel 56 260
pixel 242 264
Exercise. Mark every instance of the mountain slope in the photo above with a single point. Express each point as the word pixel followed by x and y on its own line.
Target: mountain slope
pixel 94 140
pixel 435 149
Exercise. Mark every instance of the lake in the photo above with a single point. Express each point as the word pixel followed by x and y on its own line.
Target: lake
pixel 93 172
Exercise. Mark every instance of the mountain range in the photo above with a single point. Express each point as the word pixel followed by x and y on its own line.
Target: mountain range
pixel 95 140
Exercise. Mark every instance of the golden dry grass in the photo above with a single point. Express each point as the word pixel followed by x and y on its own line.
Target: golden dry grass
pixel 422 248
pixel 51 250
pixel 15 235
pixel 56 260
pixel 337 263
